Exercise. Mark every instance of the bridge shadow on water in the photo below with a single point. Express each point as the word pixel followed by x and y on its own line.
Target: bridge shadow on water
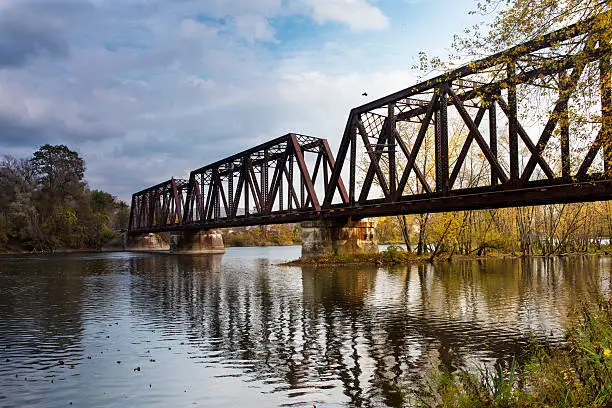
pixel 361 330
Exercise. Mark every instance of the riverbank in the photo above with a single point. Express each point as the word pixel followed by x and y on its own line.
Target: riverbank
pixel 391 256
pixel 60 251
pixel 576 373
pixel 395 255
pixel 242 244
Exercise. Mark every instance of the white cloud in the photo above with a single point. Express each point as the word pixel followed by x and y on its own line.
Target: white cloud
pixel 254 27
pixel 359 15
pixel 222 8
pixel 197 82
pixel 174 92
pixel 193 30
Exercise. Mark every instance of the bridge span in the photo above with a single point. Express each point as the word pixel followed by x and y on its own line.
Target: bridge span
pixel 405 153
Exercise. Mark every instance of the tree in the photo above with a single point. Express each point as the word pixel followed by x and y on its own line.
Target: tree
pixel 386 230
pixel 506 23
pixel 122 216
pixel 517 21
pixel 16 175
pixel 59 171
pixel 45 204
pixel 101 201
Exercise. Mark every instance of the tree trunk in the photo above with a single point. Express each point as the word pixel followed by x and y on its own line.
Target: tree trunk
pixel 421 249
pixel 405 232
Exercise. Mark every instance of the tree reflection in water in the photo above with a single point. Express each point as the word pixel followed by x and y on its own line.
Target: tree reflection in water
pixel 361 329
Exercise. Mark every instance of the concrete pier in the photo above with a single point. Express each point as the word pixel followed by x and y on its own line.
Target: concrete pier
pixel 197 242
pixel 146 242
pixel 324 238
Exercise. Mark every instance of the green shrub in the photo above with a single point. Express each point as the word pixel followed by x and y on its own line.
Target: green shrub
pixel 577 373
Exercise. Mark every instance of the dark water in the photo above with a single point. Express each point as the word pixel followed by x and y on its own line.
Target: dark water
pixel 237 331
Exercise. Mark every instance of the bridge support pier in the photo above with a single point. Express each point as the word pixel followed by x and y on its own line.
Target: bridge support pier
pixel 146 242
pixel 324 238
pixel 197 242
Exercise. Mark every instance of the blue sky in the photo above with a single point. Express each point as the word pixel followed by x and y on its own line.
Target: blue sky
pixel 148 89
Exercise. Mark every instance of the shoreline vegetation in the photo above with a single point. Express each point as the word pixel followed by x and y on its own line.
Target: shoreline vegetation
pixel 268 235
pixel 47 206
pixel 576 372
pixel 396 255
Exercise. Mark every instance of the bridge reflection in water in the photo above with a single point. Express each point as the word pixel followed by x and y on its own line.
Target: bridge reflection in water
pixel 359 330
pixel 230 330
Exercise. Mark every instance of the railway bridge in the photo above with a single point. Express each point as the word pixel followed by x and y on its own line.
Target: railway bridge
pixel 537 117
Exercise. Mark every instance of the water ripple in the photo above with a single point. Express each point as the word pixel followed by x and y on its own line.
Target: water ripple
pixel 157 330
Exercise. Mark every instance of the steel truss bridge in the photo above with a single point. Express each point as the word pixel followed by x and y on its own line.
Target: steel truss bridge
pixel 395 156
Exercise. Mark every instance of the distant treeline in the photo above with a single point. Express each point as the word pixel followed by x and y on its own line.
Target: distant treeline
pixel 45 204
pixel 283 234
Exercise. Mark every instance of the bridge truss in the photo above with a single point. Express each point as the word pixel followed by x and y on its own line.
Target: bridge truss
pixel 267 184
pixel 414 151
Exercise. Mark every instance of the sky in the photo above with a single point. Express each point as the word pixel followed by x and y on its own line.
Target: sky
pixel 148 89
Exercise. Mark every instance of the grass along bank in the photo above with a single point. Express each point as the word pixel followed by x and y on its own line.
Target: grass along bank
pixel 392 255
pixel 577 373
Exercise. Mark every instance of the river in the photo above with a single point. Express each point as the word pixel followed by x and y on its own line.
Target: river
pixel 236 330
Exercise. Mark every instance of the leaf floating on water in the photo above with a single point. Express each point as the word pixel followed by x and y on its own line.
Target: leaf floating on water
pixel 137 368
pixel 118 361
pixel 61 362
pixel 152 360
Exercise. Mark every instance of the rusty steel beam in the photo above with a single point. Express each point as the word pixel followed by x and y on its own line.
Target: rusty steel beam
pixel 464 199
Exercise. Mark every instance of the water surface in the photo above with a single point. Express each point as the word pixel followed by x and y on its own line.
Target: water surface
pixel 235 330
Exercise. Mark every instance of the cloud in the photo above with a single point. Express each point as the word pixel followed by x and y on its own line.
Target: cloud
pixel 190 29
pixel 36 28
pixel 148 90
pixel 253 27
pixel 223 8
pixel 359 15
pixel 28 115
